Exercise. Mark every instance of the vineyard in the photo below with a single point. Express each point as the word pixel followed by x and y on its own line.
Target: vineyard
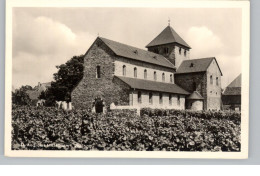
pixel 48 128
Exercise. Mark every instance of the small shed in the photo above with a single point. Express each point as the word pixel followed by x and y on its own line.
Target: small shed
pixel 194 101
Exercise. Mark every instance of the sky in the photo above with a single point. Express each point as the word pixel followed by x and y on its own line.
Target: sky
pixel 46 37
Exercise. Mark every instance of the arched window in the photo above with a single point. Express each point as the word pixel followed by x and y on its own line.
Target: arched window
pixel 135 72
pixel 180 51
pixel 155 76
pixel 163 77
pixel 179 100
pixel 124 70
pixel 184 52
pixel 98 75
pixel 211 79
pixel 171 79
pixel 160 98
pixel 217 81
pixel 145 74
pixel 139 97
pixel 170 99
pixel 150 98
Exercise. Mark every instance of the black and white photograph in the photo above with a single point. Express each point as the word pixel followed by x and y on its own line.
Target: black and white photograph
pixel 164 81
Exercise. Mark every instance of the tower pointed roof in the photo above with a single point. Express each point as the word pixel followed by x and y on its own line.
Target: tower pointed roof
pixel 195 96
pixel 168 35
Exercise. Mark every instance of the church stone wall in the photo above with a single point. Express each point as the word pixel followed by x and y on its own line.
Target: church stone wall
pixel 194 82
pixel 141 66
pixel 109 88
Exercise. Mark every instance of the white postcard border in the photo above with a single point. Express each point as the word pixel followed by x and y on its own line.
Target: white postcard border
pixel 244 5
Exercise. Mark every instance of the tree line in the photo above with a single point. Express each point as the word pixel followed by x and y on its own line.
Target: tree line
pixel 65 80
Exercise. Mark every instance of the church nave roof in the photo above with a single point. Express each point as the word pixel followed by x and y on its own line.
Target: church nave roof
pixel 131 52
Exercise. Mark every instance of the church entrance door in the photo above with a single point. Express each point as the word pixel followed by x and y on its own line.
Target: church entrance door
pixel 99 105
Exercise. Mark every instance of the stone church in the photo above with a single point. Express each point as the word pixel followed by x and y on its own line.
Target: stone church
pixel 117 75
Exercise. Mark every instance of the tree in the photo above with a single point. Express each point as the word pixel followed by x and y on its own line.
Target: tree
pixel 42 95
pixel 67 77
pixel 20 97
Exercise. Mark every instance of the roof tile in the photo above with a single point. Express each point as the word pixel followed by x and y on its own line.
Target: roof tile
pixel 153 85
pixel 232 91
pixel 195 65
pixel 195 96
pixel 234 88
pixel 168 35
pixel 136 53
pixel 236 82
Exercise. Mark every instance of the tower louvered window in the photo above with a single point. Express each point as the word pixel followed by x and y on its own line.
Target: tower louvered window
pixel 98 74
pixel 166 50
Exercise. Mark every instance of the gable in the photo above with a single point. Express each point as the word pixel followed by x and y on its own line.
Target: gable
pixel 214 66
pixel 196 65
pixel 98 42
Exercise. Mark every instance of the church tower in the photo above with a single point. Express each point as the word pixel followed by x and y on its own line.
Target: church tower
pixel 169 44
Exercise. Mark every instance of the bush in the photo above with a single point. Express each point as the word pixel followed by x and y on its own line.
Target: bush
pixel 122 112
pixel 52 129
pixel 228 115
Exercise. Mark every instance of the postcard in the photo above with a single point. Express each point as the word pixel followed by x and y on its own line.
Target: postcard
pixel 124 79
